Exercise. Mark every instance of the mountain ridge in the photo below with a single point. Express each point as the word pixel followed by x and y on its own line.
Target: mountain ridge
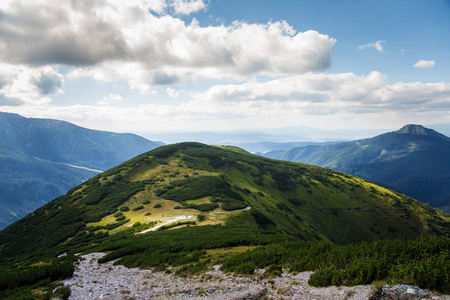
pixel 191 179
pixel 403 159
pixel 41 159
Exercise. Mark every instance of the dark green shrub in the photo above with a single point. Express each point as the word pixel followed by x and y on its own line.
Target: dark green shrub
pixel 199 187
pixel 230 206
pixel 204 207
pixel 157 205
pixel 124 208
pixel 177 207
pixel 283 206
pixel 274 270
pixel 120 218
pixel 10 279
pixel 138 208
pixel 245 268
pixel 146 201
pixel 115 225
pixel 62 292
pixel 282 179
pixel 117 177
pixel 260 218
pixel 118 214
pixel 295 201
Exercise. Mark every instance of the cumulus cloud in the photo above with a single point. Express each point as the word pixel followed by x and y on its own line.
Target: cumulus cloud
pixel 24 85
pixel 332 93
pixel 378 45
pixel 113 40
pixel 424 64
pixel 186 7
pixel 172 93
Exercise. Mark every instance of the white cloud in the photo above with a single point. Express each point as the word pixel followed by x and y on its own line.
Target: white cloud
pixel 424 64
pixel 24 85
pixel 186 7
pixel 121 40
pixel 330 94
pixel 378 45
pixel 110 99
pixel 306 88
pixel 321 100
pixel 172 93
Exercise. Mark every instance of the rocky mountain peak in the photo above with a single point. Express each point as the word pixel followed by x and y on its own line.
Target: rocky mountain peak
pixel 420 130
pixel 413 129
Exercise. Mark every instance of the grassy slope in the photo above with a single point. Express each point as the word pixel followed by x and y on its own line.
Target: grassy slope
pixel 306 201
pixel 417 165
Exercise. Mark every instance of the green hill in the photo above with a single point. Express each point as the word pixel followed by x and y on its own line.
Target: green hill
pixel 413 160
pixel 204 197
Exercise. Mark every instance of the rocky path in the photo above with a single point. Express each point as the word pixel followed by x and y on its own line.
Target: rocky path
pixel 105 281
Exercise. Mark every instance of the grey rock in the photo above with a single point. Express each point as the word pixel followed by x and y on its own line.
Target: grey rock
pixel 400 292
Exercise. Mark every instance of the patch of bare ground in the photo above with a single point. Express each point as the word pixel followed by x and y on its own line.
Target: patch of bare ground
pixel 106 281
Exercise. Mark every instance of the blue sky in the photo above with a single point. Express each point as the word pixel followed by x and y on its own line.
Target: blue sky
pixel 148 66
pixel 412 30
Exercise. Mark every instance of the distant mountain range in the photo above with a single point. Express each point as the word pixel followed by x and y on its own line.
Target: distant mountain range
pixel 41 159
pixel 262 140
pixel 413 160
pixel 265 139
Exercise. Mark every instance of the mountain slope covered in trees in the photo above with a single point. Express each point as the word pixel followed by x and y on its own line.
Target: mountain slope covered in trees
pixel 413 160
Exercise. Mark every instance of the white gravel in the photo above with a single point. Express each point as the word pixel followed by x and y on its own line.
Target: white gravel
pixel 167 221
pixel 105 281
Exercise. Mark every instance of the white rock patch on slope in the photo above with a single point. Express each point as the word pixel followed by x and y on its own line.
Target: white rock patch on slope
pixel 105 281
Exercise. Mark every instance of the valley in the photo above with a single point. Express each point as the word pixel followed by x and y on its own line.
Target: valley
pixel 41 159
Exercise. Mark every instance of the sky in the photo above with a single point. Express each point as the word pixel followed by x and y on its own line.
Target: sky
pixel 152 66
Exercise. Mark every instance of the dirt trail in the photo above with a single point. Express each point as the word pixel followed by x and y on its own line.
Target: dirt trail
pixel 167 221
